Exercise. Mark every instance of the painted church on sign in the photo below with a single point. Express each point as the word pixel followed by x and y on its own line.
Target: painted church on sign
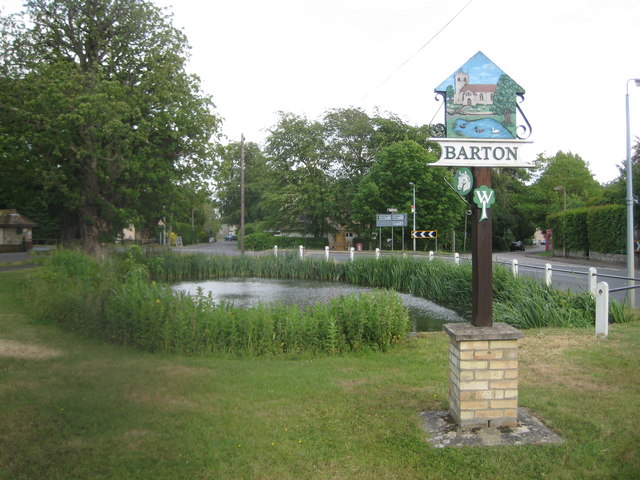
pixel 472 94
pixel 480 101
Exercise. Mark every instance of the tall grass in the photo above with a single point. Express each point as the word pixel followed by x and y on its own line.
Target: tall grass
pixel 523 302
pixel 125 299
pixel 116 300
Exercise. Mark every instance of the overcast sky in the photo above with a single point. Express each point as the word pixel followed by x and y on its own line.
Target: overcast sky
pixel 573 58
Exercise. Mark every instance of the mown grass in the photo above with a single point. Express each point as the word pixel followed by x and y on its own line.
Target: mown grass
pixel 74 407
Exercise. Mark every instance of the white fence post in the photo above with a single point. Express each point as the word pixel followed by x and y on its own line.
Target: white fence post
pixel 514 267
pixel 602 310
pixel 456 258
pixel 275 250
pixel 593 281
pixel 548 274
pixel 377 253
pixel 430 255
pixel 326 253
pixel 301 247
pixel 351 253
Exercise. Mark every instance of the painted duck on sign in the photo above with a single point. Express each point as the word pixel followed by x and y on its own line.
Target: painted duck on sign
pixel 483 128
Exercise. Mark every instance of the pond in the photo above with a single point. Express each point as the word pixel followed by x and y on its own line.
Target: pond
pixel 426 316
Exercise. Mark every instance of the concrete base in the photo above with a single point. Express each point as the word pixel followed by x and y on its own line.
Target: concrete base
pixel 444 432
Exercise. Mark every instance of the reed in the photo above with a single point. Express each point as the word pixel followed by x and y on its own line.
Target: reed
pixel 521 301
pixel 116 300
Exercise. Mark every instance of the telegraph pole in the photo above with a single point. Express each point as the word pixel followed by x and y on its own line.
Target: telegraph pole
pixel 241 194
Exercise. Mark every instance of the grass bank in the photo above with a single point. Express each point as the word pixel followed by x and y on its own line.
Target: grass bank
pixel 77 408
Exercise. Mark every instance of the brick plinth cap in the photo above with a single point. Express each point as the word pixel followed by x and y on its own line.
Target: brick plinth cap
pixel 462 332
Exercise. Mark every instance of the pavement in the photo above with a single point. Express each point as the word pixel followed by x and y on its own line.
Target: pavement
pixel 443 432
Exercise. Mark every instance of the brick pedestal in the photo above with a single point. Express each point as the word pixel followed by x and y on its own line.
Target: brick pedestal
pixel 483 374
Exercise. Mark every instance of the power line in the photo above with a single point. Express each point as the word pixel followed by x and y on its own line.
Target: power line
pixel 416 53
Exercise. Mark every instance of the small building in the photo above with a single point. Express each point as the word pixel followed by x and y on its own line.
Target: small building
pixel 15 231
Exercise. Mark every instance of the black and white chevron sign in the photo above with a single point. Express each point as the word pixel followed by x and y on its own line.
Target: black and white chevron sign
pixel 424 234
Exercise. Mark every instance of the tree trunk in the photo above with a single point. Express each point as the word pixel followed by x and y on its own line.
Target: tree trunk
pixel 89 211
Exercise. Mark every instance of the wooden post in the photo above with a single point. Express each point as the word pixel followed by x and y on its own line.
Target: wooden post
pixel 482 280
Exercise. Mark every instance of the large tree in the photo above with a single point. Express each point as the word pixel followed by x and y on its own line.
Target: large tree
pixel 388 185
pixel 95 101
pixel 303 194
pixel 562 174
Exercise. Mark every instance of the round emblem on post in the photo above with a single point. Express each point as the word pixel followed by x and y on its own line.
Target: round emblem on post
pixel 463 181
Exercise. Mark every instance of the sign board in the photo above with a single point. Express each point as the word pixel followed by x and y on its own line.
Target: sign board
pixel 466 152
pixel 480 118
pixel 391 220
pixel 424 234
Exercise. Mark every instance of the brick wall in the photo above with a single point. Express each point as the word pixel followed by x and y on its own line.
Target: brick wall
pixel 483 375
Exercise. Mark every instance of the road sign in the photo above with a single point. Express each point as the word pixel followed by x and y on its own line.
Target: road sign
pixel 636 246
pixel 424 234
pixel 391 220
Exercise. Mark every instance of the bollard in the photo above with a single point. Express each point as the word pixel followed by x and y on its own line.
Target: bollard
pixel 548 274
pixel 514 267
pixel 602 309
pixel 593 281
pixel 351 253
pixel 456 258
pixel 326 253
pixel 275 250
pixel 377 253
pixel 301 247
pixel 430 255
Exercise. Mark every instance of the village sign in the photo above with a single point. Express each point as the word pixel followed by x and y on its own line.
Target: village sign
pixel 480 118
pixel 481 132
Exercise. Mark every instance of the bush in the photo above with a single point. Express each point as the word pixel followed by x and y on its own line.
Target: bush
pixel 116 301
pixel 607 229
pixel 266 241
pixel 520 301
pixel 596 229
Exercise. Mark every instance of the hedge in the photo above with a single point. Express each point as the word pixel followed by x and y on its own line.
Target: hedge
pixel 595 229
pixel 266 241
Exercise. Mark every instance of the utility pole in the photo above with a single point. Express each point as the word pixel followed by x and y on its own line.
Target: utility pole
pixel 241 194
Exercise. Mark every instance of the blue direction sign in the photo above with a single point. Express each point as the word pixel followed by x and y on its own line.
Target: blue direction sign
pixel 424 234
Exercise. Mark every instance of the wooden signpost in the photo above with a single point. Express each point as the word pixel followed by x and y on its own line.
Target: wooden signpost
pixel 481 134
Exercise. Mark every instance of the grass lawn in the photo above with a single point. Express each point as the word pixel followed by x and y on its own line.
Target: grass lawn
pixel 74 408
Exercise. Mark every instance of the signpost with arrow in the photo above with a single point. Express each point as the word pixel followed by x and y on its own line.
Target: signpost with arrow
pixel 424 234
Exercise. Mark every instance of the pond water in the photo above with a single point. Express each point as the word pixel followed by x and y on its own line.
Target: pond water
pixel 248 292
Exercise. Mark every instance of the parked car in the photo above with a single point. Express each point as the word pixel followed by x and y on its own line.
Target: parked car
pixel 231 237
pixel 517 246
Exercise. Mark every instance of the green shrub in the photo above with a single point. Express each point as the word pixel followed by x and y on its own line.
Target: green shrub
pixel 116 301
pixel 266 241
pixel 595 229
pixel 521 301
pixel 607 229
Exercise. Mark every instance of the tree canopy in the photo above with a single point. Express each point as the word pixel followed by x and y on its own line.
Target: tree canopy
pixel 98 114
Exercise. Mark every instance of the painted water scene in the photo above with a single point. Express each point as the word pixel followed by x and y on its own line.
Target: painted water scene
pixel 480 100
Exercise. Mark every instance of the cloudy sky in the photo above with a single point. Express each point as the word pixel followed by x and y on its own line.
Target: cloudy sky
pixel 573 58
